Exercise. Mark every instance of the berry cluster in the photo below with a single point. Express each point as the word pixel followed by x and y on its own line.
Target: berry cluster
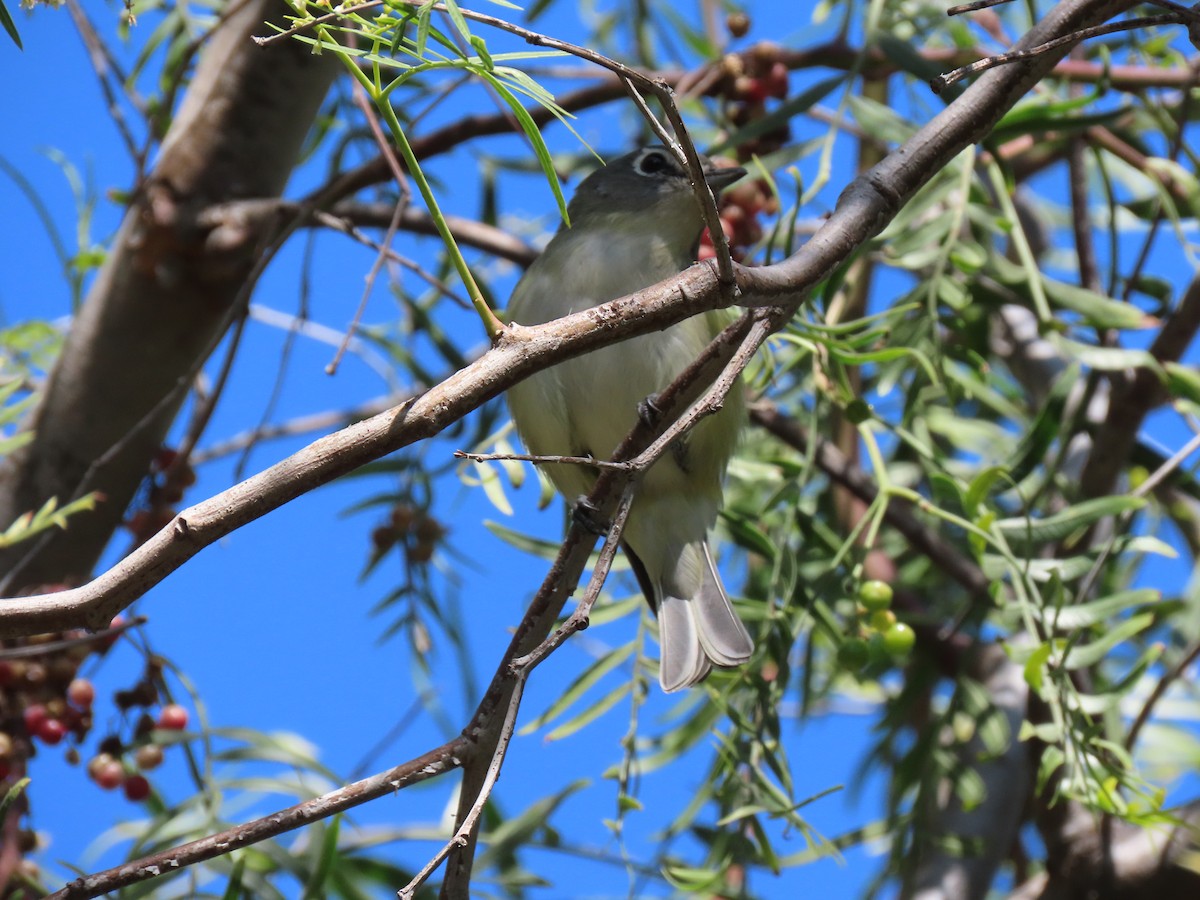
pixel 117 764
pixel 415 531
pixel 170 475
pixel 881 639
pixel 749 80
pixel 740 207
pixel 44 701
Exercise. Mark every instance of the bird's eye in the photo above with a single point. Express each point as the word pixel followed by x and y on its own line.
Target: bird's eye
pixel 653 163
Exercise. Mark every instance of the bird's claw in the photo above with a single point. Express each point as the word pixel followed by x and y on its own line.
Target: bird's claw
pixel 587 516
pixel 649 411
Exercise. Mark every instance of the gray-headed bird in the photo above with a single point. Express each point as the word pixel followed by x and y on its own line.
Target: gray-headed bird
pixel 635 222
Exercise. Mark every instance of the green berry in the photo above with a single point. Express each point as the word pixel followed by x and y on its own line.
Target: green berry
pixel 853 654
pixel 899 639
pixel 882 620
pixel 875 595
pixel 858 411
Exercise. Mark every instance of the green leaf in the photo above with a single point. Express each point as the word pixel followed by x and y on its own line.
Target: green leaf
pixel 481 48
pixel 1035 665
pixel 1056 527
pixel 1090 654
pixel 10 26
pixel 748 535
pixel 593 712
pixel 1105 359
pixel 493 487
pixel 1098 310
pixel 1085 615
pixel 580 686
pixel 529 127
pixel 980 487
pixel 11 796
pixel 456 16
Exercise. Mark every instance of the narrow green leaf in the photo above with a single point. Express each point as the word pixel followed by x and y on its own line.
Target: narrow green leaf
pixel 315 887
pixel 1046 732
pixel 480 46
pixel 11 796
pixel 593 712
pixel 1085 615
pixel 1035 665
pixel 580 686
pixel 10 26
pixel 1090 654
pixel 529 127
pixel 457 18
pixel 424 24
pixel 980 487
pixel 1025 530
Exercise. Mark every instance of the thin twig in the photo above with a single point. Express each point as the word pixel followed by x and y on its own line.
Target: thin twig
pixel 578 620
pixel 467 826
pixel 941 82
pixel 92 637
pixel 546 460
pixel 446 758
pixel 1156 693
pixel 974 7
pixel 347 228
pixel 385 147
pixel 102 64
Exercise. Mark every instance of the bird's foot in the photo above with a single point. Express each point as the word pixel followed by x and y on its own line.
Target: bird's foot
pixel 649 411
pixel 587 516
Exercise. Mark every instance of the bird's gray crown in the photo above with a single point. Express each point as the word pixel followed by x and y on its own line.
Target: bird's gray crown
pixel 650 182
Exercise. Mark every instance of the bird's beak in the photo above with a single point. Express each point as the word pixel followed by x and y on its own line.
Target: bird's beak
pixel 719 178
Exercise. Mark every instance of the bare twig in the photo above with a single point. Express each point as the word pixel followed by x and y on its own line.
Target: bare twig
pixel 547 460
pixel 90 639
pixel 469 821
pixel 385 148
pixel 445 758
pixel 941 82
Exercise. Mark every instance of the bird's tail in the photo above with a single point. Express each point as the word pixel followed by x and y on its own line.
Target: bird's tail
pixel 698 627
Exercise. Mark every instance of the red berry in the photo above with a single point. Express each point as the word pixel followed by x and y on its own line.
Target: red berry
pixel 137 788
pixel 776 80
pixel 163 459
pixel 81 693
pixel 109 775
pixel 5 768
pixel 51 731
pixel 747 87
pixel 35 714
pixel 172 717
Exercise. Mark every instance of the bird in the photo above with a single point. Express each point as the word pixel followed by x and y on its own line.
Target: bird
pixel 633 223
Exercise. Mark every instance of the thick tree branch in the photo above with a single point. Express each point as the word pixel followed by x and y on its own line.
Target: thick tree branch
pixel 164 294
pixel 1131 403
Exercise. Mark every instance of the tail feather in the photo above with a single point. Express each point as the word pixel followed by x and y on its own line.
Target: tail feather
pixel 683 662
pixel 698 627
pixel 722 634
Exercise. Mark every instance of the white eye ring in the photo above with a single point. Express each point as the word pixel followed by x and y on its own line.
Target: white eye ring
pixel 652 162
